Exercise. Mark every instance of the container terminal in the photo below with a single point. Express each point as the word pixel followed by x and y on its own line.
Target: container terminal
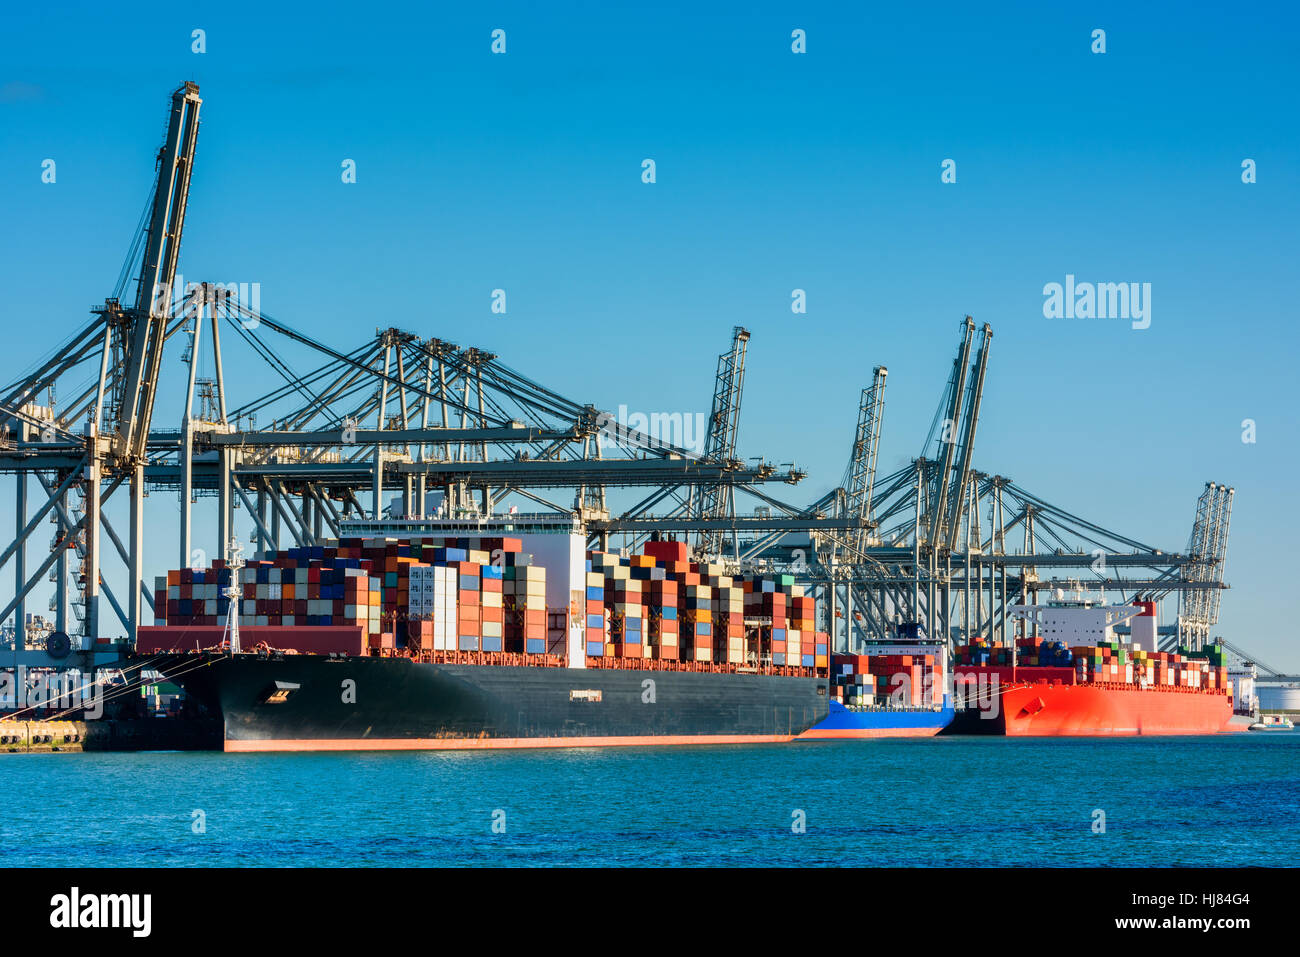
pixel 380 484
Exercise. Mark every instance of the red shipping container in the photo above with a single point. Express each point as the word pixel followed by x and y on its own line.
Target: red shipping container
pixel 667 551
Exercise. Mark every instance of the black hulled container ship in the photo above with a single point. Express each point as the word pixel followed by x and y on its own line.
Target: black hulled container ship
pixel 488 633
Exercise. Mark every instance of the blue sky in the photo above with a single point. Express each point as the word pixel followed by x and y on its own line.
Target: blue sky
pixel 775 171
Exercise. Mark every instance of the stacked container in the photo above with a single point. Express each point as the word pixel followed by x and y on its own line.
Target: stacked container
pixel 484 595
pixel 431 617
pixel 853 682
pixel 595 625
pixel 1114 663
pixel 525 605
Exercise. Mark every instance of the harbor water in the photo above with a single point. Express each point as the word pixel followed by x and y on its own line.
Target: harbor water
pixel 1230 800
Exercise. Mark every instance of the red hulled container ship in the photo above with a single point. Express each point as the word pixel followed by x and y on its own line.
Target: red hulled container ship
pixel 1078 678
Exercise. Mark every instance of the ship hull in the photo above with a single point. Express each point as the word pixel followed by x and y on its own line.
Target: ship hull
pixel 844 723
pixel 1060 710
pixel 314 703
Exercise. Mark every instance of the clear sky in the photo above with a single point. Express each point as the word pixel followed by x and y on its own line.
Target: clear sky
pixel 775 171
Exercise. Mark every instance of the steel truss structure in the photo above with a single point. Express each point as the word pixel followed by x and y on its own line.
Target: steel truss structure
pixel 416 427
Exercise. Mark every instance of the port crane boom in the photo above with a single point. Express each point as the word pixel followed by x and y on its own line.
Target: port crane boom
pixel 717 500
pixel 145 326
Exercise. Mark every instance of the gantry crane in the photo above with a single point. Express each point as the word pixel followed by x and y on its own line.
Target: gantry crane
pixel 402 413
pixel 1198 610
pixel 117 410
pixel 717 501
pixel 866 449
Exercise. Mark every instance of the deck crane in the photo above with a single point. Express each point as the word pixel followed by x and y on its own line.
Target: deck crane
pixel 716 501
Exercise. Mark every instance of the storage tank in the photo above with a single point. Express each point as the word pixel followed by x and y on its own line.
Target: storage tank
pixel 1279 697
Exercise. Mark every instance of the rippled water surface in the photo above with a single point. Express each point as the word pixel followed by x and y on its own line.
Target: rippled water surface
pixel 1229 800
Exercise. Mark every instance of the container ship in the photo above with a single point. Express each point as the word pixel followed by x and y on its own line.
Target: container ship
pixel 1076 677
pixel 889 690
pixel 489 634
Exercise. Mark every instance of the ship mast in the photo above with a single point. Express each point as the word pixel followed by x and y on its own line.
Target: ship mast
pixel 234 593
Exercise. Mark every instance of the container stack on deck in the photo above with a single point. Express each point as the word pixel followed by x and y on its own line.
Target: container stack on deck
pixel 1108 662
pixel 429 595
pixel 981 652
pixel 662 606
pixel 876 681
pixel 524 587
pixel 1115 663
pixel 439 595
